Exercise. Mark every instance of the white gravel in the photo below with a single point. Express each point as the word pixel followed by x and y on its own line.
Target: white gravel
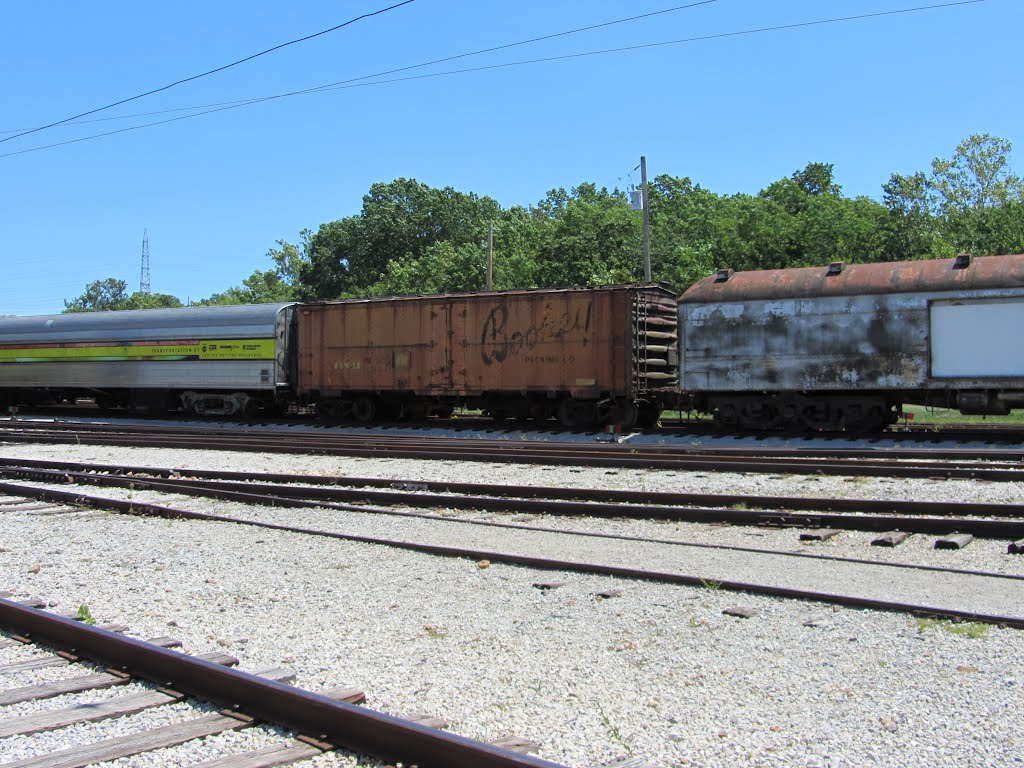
pixel 658 672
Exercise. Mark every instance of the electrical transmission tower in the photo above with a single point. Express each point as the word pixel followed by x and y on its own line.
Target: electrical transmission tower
pixel 144 284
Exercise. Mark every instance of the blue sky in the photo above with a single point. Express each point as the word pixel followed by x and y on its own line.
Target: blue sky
pixel 872 96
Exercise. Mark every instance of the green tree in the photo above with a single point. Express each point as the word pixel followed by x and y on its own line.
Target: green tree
pixel 400 220
pixel 588 237
pixel 516 246
pixel 977 176
pixel 969 202
pixel 443 268
pixel 685 220
pixel 99 296
pixel 326 274
pixel 261 287
pixel 139 300
pixel 910 230
pixel 289 259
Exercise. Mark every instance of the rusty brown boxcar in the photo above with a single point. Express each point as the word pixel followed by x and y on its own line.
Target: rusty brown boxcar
pixel 845 346
pixel 582 355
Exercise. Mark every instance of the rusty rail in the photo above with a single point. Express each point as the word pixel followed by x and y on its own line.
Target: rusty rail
pixel 919 517
pixel 640 456
pixel 153 510
pixel 337 723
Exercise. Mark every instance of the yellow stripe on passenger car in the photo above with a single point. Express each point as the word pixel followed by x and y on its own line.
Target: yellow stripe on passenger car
pixel 211 349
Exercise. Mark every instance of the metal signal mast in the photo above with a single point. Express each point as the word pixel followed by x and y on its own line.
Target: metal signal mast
pixel 144 284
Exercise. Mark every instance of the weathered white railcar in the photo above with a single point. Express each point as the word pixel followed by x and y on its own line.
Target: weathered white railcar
pixel 208 360
pixel 845 346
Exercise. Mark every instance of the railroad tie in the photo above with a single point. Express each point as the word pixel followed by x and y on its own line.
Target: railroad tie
pixel 516 744
pixel 890 539
pixel 96 711
pixel 92 681
pixel 820 534
pixel 740 613
pixel 954 541
pixel 266 757
pixel 289 751
pixel 132 744
pixel 627 762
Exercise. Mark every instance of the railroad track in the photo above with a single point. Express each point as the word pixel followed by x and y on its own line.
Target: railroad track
pixel 799 576
pixel 982 520
pixel 923 432
pixel 320 722
pixel 998 464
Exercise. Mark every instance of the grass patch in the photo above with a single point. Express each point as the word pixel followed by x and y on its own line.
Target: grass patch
pixel 939 416
pixel 434 633
pixel 85 614
pixel 972 629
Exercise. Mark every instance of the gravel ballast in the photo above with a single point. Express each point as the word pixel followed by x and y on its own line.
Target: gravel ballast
pixel 658 671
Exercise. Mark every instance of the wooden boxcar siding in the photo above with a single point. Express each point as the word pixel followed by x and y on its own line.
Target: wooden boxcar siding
pixel 832 343
pixel 574 340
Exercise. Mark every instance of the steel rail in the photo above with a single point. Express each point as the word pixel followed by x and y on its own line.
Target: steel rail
pixel 381 437
pixel 327 720
pixel 600 455
pixel 354 489
pixel 275 495
pixel 281 501
pixel 153 510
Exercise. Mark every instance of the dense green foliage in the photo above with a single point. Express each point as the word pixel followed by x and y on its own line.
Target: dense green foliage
pixel 113 294
pixel 412 238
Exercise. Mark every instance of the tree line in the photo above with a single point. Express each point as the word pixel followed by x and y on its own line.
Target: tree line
pixel 410 238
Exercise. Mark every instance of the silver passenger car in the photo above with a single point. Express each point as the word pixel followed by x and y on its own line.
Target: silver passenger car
pixel 844 346
pixel 209 360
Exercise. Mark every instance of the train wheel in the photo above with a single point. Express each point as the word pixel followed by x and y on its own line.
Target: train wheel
pixel 574 414
pixel 648 414
pixel 621 412
pixel 364 409
pixel 327 410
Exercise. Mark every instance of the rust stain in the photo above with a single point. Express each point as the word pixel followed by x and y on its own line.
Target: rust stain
pixel 982 272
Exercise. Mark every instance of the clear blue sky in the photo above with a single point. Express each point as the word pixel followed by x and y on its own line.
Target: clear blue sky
pixel 872 96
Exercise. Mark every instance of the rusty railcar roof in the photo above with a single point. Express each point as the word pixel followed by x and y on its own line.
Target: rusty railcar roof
pixel 961 273
pixel 492 294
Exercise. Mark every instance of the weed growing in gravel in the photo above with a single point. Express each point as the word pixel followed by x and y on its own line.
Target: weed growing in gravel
pixel 85 614
pixel 711 584
pixel 433 632
pixel 972 629
pixel 612 729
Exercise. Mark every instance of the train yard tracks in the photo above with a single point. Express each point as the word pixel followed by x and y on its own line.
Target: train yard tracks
pixel 350 509
pixel 984 520
pixel 999 463
pixel 160 676
pixel 676 574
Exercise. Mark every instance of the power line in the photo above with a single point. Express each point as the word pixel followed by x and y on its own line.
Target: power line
pixel 347 84
pixel 209 72
pixel 505 46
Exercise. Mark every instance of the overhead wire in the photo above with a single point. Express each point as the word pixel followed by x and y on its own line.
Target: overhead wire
pixel 209 72
pixel 348 84
pixel 492 49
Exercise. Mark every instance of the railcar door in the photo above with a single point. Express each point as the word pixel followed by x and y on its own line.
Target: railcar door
pixel 440 338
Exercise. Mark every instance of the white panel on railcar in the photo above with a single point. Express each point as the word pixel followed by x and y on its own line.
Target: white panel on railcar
pixel 977 338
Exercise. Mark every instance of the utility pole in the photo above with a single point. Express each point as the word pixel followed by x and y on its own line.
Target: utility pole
pixel 647 220
pixel 490 257
pixel 144 284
